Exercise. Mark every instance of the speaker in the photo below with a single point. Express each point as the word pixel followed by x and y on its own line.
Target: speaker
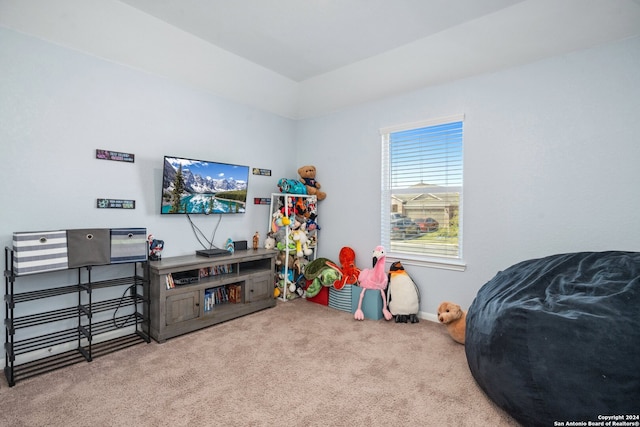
pixel 240 245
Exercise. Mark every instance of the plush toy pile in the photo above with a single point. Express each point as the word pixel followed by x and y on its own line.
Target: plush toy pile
pixel 293 232
pixel 307 183
pixel 294 229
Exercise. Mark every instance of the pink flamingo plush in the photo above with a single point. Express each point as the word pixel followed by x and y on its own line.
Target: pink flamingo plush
pixel 374 278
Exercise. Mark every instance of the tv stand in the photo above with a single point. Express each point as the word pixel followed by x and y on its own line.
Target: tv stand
pixel 216 290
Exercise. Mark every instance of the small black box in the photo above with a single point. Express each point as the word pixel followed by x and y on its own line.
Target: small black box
pixel 240 245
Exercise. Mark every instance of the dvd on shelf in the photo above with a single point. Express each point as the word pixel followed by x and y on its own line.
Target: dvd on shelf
pixel 216 270
pixel 222 295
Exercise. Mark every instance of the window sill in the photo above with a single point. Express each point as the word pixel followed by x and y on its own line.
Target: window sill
pixel 418 261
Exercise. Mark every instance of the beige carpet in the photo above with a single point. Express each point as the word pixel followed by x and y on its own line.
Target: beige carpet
pixel 298 364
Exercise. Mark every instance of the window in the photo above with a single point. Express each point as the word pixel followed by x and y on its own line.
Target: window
pixel 422 191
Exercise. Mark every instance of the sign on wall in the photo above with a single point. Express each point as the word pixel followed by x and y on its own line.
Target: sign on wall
pixel 263 172
pixel 116 204
pixel 115 156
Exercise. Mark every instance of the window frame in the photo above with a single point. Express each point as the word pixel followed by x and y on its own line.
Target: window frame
pixel 429 260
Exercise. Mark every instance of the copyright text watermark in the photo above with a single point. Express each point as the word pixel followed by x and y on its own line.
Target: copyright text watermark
pixel 605 421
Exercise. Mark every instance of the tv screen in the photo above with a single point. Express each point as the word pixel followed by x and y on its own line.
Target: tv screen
pixel 203 187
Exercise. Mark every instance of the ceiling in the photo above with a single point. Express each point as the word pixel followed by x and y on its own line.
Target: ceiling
pixel 302 39
pixel 306 58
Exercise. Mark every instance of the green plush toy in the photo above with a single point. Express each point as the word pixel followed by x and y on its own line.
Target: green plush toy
pixel 326 276
pixel 314 267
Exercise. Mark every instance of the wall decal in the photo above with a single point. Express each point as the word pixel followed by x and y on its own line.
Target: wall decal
pixel 116 204
pixel 114 155
pixel 261 201
pixel 263 172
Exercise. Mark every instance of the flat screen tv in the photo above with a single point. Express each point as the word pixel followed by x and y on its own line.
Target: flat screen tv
pixel 192 186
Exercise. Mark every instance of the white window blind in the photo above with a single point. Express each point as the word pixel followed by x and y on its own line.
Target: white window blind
pixel 422 165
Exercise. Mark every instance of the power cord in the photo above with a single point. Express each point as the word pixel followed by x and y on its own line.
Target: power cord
pixel 200 235
pixel 124 323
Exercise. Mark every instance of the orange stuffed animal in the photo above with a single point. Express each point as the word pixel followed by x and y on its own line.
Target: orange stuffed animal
pixel 452 316
pixel 348 268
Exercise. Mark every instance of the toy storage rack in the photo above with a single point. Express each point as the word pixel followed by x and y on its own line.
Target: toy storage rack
pixel 287 197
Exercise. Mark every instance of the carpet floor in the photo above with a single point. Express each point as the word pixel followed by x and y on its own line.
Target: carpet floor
pixel 297 364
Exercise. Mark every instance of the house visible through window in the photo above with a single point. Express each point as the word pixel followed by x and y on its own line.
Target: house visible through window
pixel 422 189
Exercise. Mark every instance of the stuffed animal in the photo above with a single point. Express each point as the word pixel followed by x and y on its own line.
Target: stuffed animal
pixel 326 278
pixel 314 267
pixel 270 241
pixel 299 265
pixel 229 245
pixel 286 283
pixel 301 240
pixel 403 296
pixel 348 268
pixel 281 259
pixel 277 221
pixel 374 278
pixel 452 316
pixel 318 273
pixel 308 175
pixel 155 248
pixel 292 186
pixel 300 209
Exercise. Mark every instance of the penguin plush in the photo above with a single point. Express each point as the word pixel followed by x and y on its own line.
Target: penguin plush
pixel 403 296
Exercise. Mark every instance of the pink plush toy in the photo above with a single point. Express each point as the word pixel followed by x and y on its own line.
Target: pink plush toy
pixel 374 278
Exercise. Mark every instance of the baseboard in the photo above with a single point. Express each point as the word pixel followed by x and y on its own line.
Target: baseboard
pixel 428 316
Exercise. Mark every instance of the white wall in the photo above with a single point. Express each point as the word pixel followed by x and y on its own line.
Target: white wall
pixel 59 106
pixel 551 165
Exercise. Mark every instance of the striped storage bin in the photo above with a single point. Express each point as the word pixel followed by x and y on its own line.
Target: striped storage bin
pixel 128 245
pixel 341 299
pixel 39 251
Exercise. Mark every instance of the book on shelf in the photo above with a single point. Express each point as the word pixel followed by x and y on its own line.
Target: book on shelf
pixel 170 283
pixel 215 296
pixel 235 293
pixel 216 270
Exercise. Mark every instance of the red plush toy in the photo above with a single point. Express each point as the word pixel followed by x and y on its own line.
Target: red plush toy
pixel 348 268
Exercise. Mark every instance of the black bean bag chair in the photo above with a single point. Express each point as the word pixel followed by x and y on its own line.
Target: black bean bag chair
pixel 558 338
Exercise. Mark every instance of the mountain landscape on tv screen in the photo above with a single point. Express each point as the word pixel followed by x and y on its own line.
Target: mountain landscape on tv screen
pixel 207 187
pixel 195 183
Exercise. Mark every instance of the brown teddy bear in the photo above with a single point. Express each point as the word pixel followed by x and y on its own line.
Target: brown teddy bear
pixel 308 177
pixel 452 316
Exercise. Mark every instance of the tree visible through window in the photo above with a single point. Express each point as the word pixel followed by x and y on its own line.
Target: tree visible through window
pixel 422 188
